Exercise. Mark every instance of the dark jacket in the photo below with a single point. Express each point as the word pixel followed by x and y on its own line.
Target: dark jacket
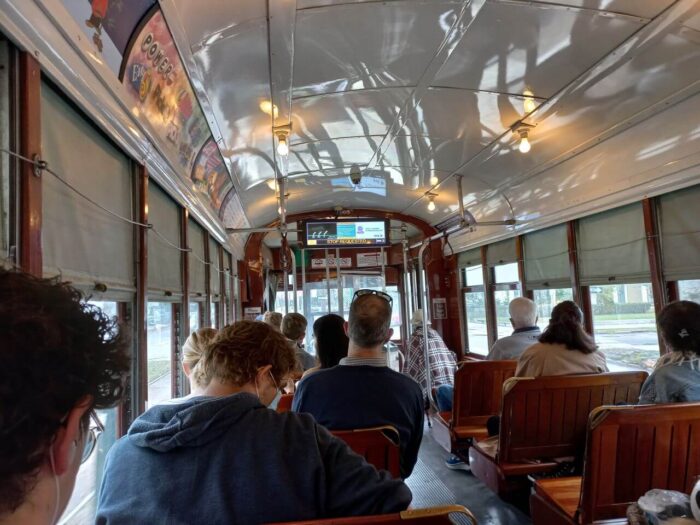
pixel 351 397
pixel 232 460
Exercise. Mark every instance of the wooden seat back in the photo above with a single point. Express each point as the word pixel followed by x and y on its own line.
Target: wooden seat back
pixel 427 516
pixel 285 403
pixel 633 449
pixel 478 388
pixel 378 445
pixel 546 417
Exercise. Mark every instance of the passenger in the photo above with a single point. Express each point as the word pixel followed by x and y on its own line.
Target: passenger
pixel 274 319
pixel 362 391
pixel 523 317
pixel 676 376
pixel 442 362
pixel 294 329
pixel 61 360
pixel 191 354
pixel 331 342
pixel 225 458
pixel 564 348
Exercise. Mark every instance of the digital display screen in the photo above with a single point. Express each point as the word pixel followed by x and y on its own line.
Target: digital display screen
pixel 346 233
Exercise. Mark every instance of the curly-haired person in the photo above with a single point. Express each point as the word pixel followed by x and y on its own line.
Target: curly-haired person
pixel 224 457
pixel 61 359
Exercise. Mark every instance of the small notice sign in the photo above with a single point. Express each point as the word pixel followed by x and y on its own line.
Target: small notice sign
pixel 317 264
pixel 371 259
pixel 251 312
pixel 439 308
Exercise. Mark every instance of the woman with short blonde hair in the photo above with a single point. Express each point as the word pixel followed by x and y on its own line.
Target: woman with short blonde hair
pixel 192 352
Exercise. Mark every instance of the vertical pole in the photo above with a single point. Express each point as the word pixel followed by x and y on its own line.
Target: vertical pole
pixel 426 314
pixel 207 281
pixel 328 279
pixel 294 280
pixel 673 291
pixel 285 286
pixel 340 281
pixel 406 292
pixel 520 255
pixel 30 256
pixel 582 294
pixel 305 295
pixel 185 265
pixel 489 298
pixel 125 409
pixel 176 321
pixel 651 228
pixel 222 288
pixel 141 290
pixel 381 254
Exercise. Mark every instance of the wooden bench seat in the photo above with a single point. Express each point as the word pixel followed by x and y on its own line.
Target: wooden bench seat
pixel 629 450
pixel 428 516
pixel 543 423
pixel 477 397
pixel 378 445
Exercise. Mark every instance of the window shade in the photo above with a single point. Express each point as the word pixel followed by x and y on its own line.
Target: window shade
pixel 679 214
pixel 195 241
pixel 546 258
pixel 612 247
pixel 80 241
pixel 501 252
pixel 164 259
pixel 469 258
pixel 214 268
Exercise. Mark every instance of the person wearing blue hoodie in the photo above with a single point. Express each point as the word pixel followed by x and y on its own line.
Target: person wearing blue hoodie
pixel 224 457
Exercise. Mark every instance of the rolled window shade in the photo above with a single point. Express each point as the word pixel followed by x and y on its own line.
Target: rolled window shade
pixel 214 268
pixel 612 247
pixel 164 258
pixel 469 258
pixel 81 242
pixel 502 252
pixel 546 258
pixel 195 241
pixel 679 215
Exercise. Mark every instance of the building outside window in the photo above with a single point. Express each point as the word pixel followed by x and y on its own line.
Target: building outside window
pixel 475 310
pixel 159 326
pixel 507 288
pixel 546 300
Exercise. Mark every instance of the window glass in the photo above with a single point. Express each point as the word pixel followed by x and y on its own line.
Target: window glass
pixel 4 158
pixel 548 299
pixel 474 276
pixel 507 273
pixel 194 316
pixel 625 325
pixel 159 323
pixel 83 503
pixel 212 315
pixel 689 290
pixel 503 299
pixel 279 301
pixel 477 338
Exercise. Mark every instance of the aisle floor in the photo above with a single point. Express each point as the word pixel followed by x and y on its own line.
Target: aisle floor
pixel 432 484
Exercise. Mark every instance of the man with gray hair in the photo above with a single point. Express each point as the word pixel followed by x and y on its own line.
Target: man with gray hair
pixel 362 391
pixel 523 317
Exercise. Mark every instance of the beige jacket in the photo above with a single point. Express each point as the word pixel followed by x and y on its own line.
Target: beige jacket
pixel 545 359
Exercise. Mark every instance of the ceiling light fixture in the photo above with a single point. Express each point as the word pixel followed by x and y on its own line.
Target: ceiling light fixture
pixel 267 107
pixel 282 133
pixel 271 183
pixel 523 131
pixel 529 101
pixel 434 180
pixel 431 201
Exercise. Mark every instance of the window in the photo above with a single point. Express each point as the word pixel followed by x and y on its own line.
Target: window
pixel 4 158
pixel 689 290
pixel 474 276
pixel 194 316
pixel 83 503
pixel 475 308
pixel 548 299
pixel 212 314
pixel 159 325
pixel 625 325
pixel 507 288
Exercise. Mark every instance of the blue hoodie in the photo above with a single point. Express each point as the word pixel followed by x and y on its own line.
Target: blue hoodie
pixel 231 460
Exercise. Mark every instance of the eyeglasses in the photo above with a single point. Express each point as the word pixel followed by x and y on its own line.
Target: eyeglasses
pixel 367 291
pixel 93 433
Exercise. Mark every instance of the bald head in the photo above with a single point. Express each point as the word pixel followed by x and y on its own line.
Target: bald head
pixel 523 312
pixel 369 321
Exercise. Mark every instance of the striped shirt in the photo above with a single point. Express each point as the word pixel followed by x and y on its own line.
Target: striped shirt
pixel 362 361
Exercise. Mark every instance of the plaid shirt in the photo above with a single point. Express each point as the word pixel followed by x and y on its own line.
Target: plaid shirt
pixel 442 359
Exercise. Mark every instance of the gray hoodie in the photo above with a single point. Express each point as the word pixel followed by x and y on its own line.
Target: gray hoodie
pixel 232 460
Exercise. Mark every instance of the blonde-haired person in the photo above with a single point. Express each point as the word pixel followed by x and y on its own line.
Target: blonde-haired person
pixel 228 452
pixel 192 352
pixel 294 328
pixel 274 319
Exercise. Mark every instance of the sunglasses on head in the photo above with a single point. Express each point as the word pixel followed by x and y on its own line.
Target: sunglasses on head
pixel 367 291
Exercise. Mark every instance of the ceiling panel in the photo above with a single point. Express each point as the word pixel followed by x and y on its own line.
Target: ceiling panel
pixel 521 46
pixel 367 45
pixel 642 8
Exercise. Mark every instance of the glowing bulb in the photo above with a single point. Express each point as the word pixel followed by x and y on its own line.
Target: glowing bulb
pixel 272 184
pixel 431 205
pixel 524 143
pixel 529 102
pixel 282 146
pixel 434 180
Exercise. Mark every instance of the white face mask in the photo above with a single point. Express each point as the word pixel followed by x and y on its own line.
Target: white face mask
pixel 275 400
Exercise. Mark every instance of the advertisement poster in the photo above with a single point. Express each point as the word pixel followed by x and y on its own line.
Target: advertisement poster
pixel 109 24
pixel 368 260
pixel 155 78
pixel 210 176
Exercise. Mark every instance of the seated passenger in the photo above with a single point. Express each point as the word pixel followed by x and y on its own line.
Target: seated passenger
pixel 523 317
pixel 362 391
pixel 676 376
pixel 225 458
pixel 442 362
pixel 564 348
pixel 294 329
pixel 274 319
pixel 330 340
pixel 61 360
pixel 191 354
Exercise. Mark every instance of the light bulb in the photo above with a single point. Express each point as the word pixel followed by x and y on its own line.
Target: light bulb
pixel 282 147
pixel 529 101
pixel 524 144
pixel 431 205
pixel 434 180
pixel 272 184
